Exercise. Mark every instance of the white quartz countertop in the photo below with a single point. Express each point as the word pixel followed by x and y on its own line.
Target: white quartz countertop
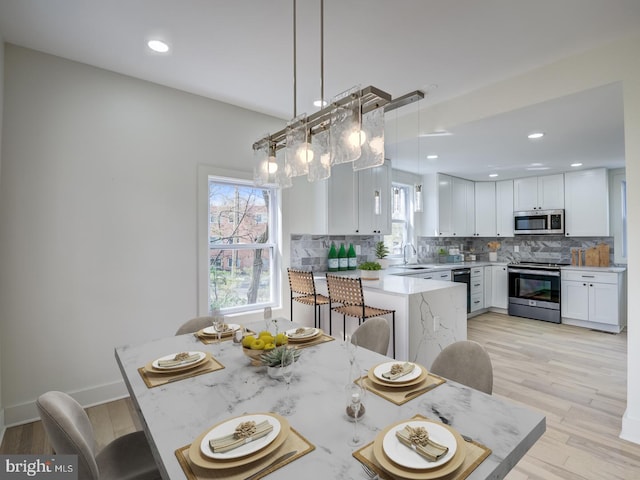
pixel 396 284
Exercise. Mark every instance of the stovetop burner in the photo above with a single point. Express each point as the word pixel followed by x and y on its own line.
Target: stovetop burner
pixel 538 265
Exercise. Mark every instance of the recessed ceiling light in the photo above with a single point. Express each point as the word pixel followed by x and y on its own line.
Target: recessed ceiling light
pixel 158 46
pixel 535 135
pixel 432 157
pixel 576 164
pixel 320 103
pixel 493 175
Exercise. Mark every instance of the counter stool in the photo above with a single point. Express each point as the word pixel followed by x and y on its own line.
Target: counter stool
pixel 348 292
pixel 303 290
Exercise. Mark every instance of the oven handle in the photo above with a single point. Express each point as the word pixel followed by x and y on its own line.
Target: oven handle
pixel 548 273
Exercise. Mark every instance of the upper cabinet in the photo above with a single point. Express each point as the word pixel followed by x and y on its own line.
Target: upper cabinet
pixel 586 203
pixel 449 209
pixel 504 208
pixel 539 193
pixel 485 193
pixel 359 202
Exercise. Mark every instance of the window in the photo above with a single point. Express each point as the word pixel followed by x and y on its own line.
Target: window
pixel 400 216
pixel 242 253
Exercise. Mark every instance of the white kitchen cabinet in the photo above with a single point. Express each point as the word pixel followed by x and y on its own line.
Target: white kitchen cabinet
pixel 485 209
pixel 456 207
pixel 504 208
pixel 594 299
pixel 539 193
pixel 488 286
pixel 499 286
pixel 587 203
pixel 352 200
pixel 477 289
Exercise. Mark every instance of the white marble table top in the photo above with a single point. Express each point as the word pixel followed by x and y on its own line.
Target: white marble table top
pixel 173 415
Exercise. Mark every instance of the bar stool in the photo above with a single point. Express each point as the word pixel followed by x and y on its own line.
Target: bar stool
pixel 302 285
pixel 348 292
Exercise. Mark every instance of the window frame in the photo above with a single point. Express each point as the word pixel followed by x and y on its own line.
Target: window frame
pixel 205 172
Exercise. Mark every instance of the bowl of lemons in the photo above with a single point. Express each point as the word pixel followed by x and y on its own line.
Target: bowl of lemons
pixel 253 346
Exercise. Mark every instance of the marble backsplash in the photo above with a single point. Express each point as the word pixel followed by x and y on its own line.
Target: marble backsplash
pixel 310 252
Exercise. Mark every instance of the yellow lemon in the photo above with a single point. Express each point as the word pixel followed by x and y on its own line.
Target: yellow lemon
pixel 264 333
pixel 257 344
pixel 269 346
pixel 281 339
pixel 248 340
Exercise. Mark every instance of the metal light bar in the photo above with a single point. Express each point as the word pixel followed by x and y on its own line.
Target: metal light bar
pixel 370 99
pixel 404 100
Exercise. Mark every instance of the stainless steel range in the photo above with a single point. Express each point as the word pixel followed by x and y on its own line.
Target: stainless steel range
pixel 534 290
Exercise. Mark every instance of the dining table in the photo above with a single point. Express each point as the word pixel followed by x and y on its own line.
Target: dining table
pixel 176 413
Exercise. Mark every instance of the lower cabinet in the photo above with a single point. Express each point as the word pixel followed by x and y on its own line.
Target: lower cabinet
pixel 477 289
pixel 499 286
pixel 594 299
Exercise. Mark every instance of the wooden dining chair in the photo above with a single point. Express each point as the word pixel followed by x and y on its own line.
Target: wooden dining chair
pixel 194 325
pixel 70 432
pixel 374 335
pixel 347 292
pixel 465 362
pixel 303 290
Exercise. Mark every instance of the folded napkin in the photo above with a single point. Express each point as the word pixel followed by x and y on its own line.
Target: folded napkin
pixel 399 370
pixel 301 332
pixel 245 432
pixel 179 359
pixel 417 439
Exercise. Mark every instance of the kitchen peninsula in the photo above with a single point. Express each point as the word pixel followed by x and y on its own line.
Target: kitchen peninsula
pixel 430 314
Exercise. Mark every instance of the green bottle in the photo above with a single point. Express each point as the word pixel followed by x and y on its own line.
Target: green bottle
pixel 333 258
pixel 351 257
pixel 343 262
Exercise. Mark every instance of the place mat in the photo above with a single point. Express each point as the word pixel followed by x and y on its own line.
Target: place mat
pixel 294 442
pixel 475 453
pixel 399 395
pixel 209 339
pixel 324 338
pixel 154 379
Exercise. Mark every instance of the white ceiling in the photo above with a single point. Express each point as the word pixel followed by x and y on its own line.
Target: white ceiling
pixel 240 52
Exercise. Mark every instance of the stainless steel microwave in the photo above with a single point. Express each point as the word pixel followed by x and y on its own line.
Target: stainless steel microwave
pixel 538 222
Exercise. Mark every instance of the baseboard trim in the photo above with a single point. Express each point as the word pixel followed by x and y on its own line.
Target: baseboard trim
pixel 630 428
pixel 2 426
pixel 27 412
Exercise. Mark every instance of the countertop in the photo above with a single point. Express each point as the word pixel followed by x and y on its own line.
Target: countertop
pixel 395 284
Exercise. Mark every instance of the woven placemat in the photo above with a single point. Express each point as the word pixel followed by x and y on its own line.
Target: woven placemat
pixel 399 395
pixel 294 442
pixel 153 379
pixel 324 338
pixel 474 456
pixel 209 339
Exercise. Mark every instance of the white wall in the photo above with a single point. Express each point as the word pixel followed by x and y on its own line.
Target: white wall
pixel 98 219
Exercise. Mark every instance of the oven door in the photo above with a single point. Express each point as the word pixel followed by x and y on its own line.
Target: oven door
pixel 536 288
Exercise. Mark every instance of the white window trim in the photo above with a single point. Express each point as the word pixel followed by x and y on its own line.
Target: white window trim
pixel 202 248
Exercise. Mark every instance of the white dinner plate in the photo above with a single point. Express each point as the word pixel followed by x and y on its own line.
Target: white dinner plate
pixel 154 364
pixel 231 327
pixel 385 367
pixel 229 427
pixel 405 457
pixel 309 332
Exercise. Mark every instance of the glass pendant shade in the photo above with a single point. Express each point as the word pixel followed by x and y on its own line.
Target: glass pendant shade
pixel 417 198
pixel 283 174
pixel 320 165
pixel 372 154
pixel 344 129
pixel 298 152
pixel 261 162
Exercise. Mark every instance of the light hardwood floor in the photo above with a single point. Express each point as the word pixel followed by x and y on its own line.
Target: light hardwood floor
pixel 576 377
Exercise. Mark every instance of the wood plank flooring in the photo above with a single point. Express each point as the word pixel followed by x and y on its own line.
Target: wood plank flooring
pixel 576 377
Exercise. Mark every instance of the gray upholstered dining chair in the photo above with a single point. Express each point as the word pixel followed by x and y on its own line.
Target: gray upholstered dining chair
pixel 194 325
pixel 373 335
pixel 69 430
pixel 465 362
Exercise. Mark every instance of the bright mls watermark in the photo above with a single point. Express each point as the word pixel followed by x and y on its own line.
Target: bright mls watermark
pixel 49 467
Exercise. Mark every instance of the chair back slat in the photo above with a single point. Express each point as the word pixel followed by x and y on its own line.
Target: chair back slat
pixel 301 282
pixel 345 290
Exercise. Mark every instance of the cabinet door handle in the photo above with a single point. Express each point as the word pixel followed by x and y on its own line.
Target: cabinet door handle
pixel 591 284
pixel 588 276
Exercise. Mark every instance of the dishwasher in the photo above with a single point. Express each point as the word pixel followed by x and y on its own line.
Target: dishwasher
pixel 463 275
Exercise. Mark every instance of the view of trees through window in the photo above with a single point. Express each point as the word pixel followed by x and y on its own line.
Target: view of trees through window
pixel 241 246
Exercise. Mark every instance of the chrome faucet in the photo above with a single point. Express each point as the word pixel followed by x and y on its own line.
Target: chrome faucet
pixel 404 252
